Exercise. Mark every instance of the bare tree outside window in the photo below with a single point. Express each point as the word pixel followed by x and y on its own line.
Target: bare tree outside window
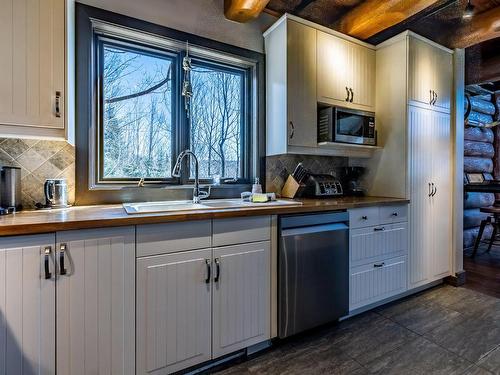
pixel 216 118
pixel 137 114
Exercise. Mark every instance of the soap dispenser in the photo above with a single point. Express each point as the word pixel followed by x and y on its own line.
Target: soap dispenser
pixel 257 187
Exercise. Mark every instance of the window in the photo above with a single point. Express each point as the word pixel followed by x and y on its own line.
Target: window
pixel 137 113
pixel 144 122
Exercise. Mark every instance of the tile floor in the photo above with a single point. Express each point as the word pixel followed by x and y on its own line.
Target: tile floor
pixel 444 330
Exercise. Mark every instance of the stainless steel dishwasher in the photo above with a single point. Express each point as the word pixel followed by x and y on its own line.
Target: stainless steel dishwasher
pixel 313 270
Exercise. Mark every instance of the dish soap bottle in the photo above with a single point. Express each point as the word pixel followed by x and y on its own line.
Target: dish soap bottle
pixel 257 187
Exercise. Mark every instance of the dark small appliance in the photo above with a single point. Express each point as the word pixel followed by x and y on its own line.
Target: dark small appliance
pixel 336 124
pixel 10 190
pixel 351 178
pixel 322 185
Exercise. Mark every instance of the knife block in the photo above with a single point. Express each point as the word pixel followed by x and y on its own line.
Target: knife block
pixel 290 188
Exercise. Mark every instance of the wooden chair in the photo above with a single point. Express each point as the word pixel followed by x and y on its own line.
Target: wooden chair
pixel 494 220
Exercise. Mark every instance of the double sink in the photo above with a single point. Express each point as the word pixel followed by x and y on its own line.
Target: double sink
pixel 218 204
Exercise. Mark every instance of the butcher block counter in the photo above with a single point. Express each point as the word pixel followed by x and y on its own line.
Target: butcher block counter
pixel 81 217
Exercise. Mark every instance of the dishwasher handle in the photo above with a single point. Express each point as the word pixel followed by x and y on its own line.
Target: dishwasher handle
pixel 314 229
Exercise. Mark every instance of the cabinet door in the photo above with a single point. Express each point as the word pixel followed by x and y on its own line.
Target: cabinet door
pixel 96 301
pixel 421 71
pixel 241 297
pixel 32 41
pixel 420 175
pixel 334 68
pixel 374 282
pixel 441 201
pixel 27 306
pixel 443 78
pixel 362 60
pixel 173 311
pixel 301 85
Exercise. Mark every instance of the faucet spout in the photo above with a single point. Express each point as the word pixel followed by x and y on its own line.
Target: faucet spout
pixel 176 171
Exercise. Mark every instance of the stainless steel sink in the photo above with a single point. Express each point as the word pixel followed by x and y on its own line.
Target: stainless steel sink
pixel 172 206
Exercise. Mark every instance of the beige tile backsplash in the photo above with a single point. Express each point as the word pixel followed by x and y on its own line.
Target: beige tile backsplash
pixel 39 160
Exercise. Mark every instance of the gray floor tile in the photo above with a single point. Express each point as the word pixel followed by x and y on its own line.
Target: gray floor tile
pixel 419 356
pixel 467 337
pixel 367 344
pixel 491 361
pixel 476 370
pixel 425 317
pixel 445 295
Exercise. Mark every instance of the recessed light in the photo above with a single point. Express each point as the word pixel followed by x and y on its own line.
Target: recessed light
pixel 468 11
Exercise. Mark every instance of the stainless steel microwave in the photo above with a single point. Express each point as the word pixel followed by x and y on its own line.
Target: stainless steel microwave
pixel 337 124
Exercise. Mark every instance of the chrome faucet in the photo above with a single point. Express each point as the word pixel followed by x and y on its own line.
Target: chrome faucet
pixel 176 172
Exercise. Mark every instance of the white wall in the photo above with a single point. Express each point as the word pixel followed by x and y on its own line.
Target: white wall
pixel 201 17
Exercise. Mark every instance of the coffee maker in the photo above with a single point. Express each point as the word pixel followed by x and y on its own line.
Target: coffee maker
pixel 352 181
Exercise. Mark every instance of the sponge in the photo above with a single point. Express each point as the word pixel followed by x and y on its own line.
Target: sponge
pixel 259 198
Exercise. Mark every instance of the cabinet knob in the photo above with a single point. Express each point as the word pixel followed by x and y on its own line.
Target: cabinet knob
pixel 394 214
pixel 364 217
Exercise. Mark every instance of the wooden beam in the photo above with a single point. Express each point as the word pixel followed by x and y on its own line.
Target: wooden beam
pixel 374 16
pixel 243 10
pixel 481 27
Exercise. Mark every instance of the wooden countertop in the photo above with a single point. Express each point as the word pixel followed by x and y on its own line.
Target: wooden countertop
pixel 81 217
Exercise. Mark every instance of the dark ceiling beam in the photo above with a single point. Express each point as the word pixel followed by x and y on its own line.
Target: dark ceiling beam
pixel 373 16
pixel 302 5
pixel 481 27
pixel 243 10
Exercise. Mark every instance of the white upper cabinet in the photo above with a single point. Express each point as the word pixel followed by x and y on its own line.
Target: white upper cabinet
pixel 32 62
pixel 429 74
pixel 345 73
pixel 27 305
pixel 96 301
pixel 291 112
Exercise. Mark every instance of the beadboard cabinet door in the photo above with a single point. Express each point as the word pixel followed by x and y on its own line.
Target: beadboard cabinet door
pixel 345 70
pixel 27 305
pixel 441 202
pixel 173 311
pixel 32 62
pixel 241 296
pixel 96 301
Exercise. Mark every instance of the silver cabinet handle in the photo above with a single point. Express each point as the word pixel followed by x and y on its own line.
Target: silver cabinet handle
pixel 364 217
pixel 217 270
pixel 434 190
pixel 436 97
pixel 207 263
pixel 62 251
pixel 292 129
pixel 46 259
pixel 431 97
pixel 352 95
pixel 378 265
pixel 57 110
pixel 379 229
pixel 430 191
pixel 395 214
pixel 348 94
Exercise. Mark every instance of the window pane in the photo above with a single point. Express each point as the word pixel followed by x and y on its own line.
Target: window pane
pixel 137 114
pixel 216 118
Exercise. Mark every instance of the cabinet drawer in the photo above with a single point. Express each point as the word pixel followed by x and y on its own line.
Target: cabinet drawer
pixel 241 230
pixel 393 214
pixel 155 239
pixel 378 242
pixel 363 217
pixel 374 282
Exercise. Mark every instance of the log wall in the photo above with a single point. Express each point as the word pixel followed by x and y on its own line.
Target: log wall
pixel 480 148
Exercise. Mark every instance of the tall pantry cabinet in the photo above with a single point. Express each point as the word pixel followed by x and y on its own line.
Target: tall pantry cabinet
pixel 413 102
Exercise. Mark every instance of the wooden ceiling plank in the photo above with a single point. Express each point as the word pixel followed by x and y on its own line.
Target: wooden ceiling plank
pixel 243 10
pixel 374 16
pixel 481 27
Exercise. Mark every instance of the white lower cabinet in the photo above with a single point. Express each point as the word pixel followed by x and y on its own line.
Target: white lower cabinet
pixel 378 254
pixel 376 281
pixel 27 305
pixel 241 296
pixel 96 301
pixel 173 311
pixel 198 304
